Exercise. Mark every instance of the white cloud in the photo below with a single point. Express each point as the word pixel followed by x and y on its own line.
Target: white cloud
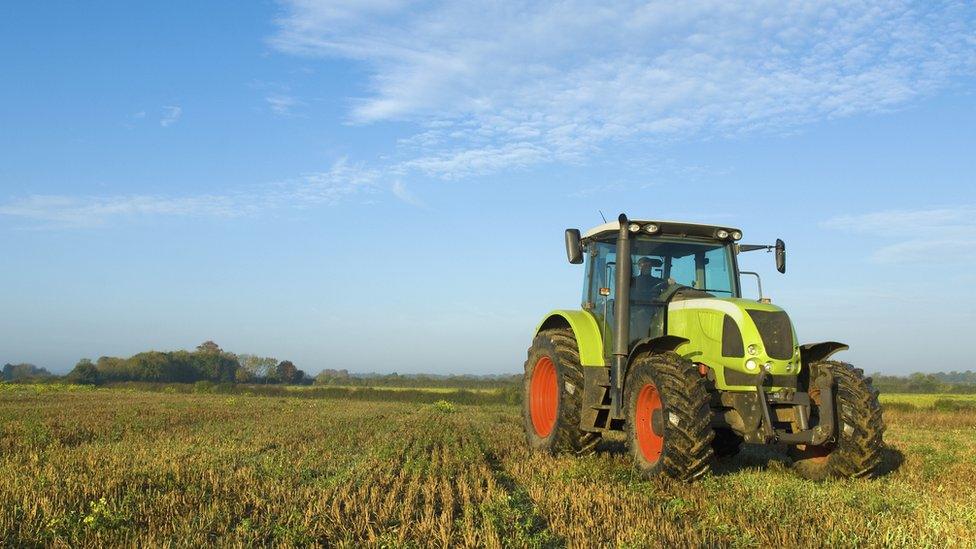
pixel 455 164
pixel 505 85
pixel 282 104
pixel 401 191
pixel 171 115
pixel 907 222
pixel 58 210
pixel 342 181
pixel 933 235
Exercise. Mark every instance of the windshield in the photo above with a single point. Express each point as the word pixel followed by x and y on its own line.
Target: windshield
pixel 701 265
pixel 657 263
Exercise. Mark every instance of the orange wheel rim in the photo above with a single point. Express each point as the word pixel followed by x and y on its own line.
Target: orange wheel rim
pixel 650 443
pixel 543 396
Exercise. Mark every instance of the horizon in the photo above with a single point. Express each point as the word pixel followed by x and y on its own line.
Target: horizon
pixel 365 183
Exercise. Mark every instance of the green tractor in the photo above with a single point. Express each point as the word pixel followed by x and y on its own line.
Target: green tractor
pixel 672 356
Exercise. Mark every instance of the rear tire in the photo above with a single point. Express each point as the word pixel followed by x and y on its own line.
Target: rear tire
pixel 668 425
pixel 553 395
pixel 860 429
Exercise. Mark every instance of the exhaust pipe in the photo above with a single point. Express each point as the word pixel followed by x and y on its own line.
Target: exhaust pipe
pixel 621 318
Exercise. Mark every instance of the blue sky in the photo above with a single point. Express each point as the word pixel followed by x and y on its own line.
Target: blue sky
pixel 382 187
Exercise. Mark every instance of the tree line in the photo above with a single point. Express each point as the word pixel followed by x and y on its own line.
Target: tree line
pixel 207 363
pixel 23 371
pixel 464 381
pixel 939 382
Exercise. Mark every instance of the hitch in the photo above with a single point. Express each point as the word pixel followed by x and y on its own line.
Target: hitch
pixel 822 433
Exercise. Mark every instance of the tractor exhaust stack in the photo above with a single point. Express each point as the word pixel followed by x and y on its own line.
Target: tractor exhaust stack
pixel 621 318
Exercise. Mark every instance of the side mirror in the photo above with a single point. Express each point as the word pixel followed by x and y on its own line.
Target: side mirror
pixel 780 256
pixel 574 250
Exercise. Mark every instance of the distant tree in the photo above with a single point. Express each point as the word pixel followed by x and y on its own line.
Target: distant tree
pixel 24 372
pixel 115 369
pixel 258 368
pixel 208 347
pixel 218 367
pixel 180 367
pixel 154 366
pixel 287 372
pixel 243 375
pixel 329 376
pixel 84 373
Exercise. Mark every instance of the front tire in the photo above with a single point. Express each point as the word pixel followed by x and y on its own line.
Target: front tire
pixel 553 395
pixel 857 451
pixel 668 423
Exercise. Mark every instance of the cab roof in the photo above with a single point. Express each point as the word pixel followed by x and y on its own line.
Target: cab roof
pixel 672 228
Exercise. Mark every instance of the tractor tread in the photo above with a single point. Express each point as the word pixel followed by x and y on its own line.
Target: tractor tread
pixel 567 437
pixel 858 453
pixel 688 451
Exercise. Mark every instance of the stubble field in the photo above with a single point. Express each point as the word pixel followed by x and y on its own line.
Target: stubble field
pixel 108 467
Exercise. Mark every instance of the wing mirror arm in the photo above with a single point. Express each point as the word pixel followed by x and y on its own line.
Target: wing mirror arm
pixel 779 248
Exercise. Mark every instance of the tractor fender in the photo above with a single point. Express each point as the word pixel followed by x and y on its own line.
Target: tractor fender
pixel 657 345
pixel 815 352
pixel 587 332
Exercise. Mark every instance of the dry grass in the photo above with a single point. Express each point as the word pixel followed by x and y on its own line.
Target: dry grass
pixel 127 467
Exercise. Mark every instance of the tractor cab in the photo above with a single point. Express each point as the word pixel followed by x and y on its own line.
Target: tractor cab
pixel 668 261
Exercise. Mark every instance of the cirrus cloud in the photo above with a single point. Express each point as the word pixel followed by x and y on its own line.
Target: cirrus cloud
pixel 342 181
pixel 929 235
pixel 518 83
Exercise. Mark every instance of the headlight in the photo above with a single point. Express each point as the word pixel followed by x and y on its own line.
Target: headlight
pixel 768 367
pixel 752 365
pixel 651 228
pixel 753 349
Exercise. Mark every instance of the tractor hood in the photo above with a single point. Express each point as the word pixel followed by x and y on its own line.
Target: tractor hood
pixel 735 337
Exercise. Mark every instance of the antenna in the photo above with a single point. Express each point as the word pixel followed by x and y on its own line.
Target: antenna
pixel 603 216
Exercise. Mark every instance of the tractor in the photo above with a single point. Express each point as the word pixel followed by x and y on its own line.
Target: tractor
pixel 666 351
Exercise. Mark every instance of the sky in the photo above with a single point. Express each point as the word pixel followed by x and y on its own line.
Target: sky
pixel 383 186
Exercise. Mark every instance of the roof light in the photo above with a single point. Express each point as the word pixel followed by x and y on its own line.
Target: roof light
pixel 736 235
pixel 722 233
pixel 634 227
pixel 651 228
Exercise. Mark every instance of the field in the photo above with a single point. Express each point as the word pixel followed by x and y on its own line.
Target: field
pixel 113 466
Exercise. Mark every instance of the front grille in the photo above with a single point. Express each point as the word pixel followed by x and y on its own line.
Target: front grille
pixel 776 332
